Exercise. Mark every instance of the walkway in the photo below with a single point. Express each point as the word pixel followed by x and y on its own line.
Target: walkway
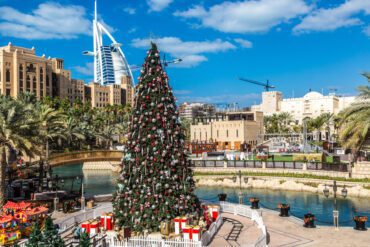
pixel 236 231
pixel 289 232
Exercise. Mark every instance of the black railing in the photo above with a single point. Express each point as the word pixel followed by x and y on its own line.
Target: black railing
pixel 339 167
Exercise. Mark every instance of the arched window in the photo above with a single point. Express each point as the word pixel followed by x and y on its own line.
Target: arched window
pixel 7 75
pixel 47 80
pixel 28 83
pixel 21 77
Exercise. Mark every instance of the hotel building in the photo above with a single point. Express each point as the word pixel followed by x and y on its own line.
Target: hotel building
pixel 229 130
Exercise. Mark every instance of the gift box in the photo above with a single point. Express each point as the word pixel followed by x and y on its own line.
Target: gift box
pixel 94 227
pixel 165 228
pixel 183 222
pixel 177 222
pixel 106 221
pixel 214 211
pixel 186 231
pixel 196 233
pixel 86 227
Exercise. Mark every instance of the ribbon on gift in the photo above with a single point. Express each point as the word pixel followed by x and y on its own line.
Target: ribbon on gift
pixel 187 232
pixel 183 222
pixel 177 222
pixel 94 227
pixel 196 233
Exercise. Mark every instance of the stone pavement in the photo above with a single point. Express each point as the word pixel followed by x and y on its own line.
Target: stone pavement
pixel 290 232
pixel 226 236
pixel 287 232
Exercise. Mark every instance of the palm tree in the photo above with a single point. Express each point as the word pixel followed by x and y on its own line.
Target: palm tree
pixel 72 132
pixel 355 121
pixel 51 125
pixel 18 131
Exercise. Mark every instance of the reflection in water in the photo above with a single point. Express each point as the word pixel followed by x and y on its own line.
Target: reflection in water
pixel 103 182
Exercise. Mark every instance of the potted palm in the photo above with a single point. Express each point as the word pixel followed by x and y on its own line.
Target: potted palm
pixel 254 202
pixel 284 209
pixel 309 220
pixel 222 197
pixel 360 223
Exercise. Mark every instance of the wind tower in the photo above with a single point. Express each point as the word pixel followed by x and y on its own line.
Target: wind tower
pixel 110 64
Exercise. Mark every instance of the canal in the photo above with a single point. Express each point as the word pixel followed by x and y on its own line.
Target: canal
pixel 103 182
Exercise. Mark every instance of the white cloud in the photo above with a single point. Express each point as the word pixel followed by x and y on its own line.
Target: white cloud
pixel 130 11
pixel 158 5
pixel 49 21
pixel 182 92
pixel 192 52
pixel 244 43
pixel 87 69
pixel 367 30
pixel 247 16
pixel 334 18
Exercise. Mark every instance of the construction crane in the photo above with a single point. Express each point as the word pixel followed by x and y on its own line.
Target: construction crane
pixel 266 85
pixel 164 62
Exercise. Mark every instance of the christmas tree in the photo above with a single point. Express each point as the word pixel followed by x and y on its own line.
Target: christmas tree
pixel 156 183
pixel 50 236
pixel 35 236
pixel 84 240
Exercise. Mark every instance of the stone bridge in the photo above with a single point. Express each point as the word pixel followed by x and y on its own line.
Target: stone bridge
pixel 84 156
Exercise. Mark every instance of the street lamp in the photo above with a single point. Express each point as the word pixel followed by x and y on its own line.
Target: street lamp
pixel 344 193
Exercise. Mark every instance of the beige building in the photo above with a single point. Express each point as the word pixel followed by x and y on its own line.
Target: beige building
pixel 312 105
pixel 22 70
pixel 231 130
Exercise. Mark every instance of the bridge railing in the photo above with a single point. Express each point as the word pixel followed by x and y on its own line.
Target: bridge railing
pixel 95 155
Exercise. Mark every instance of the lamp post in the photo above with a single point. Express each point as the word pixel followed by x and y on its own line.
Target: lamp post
pixel 240 186
pixel 82 196
pixel 335 207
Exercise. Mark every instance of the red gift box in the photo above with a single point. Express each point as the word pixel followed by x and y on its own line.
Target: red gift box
pixel 196 233
pixel 183 222
pixel 177 222
pixel 187 232
pixel 94 227
pixel 86 227
pixel 106 221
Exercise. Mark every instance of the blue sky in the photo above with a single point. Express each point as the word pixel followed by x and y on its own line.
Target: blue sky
pixel 296 44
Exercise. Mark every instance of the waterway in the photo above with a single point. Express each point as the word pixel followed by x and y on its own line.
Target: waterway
pixel 103 182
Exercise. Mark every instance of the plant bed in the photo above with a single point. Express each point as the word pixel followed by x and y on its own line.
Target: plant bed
pixel 360 222
pixel 284 209
pixel 309 220
pixel 254 202
pixel 222 197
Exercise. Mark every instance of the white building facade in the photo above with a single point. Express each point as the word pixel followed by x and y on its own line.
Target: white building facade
pixel 311 105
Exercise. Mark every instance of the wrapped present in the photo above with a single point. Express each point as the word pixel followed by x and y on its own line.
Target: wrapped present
pixel 85 226
pixel 165 228
pixel 214 211
pixel 106 221
pixel 177 222
pixel 186 231
pixel 183 222
pixel 196 233
pixel 94 227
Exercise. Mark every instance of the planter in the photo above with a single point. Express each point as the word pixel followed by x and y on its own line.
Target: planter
pixel 284 210
pixel 360 222
pixel 309 221
pixel 254 202
pixel 222 197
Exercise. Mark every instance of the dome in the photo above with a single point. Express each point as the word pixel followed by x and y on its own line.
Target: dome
pixel 313 95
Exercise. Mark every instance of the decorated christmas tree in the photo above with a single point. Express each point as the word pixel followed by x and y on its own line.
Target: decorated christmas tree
pixel 156 183
pixel 50 236
pixel 35 236
pixel 84 240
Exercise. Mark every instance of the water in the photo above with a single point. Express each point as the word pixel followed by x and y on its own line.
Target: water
pixel 103 182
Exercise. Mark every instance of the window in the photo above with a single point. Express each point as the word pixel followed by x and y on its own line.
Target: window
pixel 195 135
pixel 28 83
pixel 237 133
pixel 227 133
pixel 21 77
pixel 34 84
pixel 47 80
pixel 7 92
pixel 217 133
pixel 7 75
pixel 41 75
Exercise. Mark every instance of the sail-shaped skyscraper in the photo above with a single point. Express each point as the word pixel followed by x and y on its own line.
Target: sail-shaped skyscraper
pixel 110 64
